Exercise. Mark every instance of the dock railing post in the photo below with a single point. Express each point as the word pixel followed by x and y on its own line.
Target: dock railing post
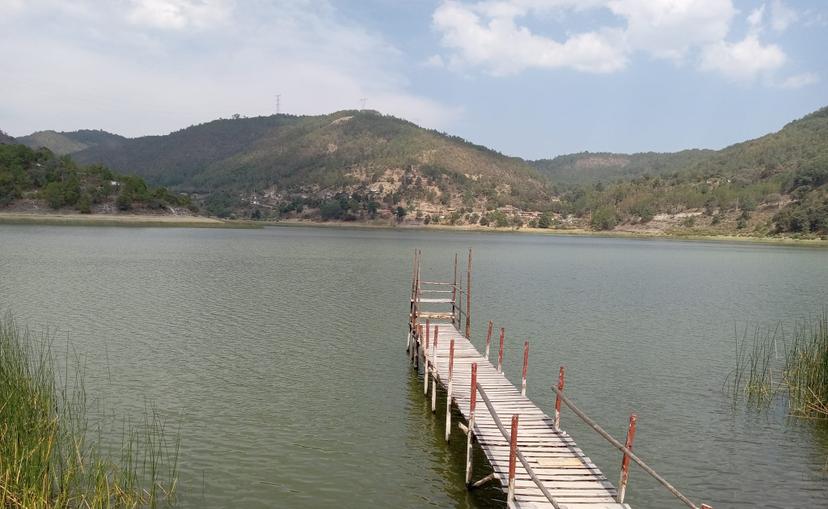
pixel 469 437
pixel 426 353
pixel 468 296
pixel 454 317
pixel 449 389
pixel 434 371
pixel 500 352
pixel 488 338
pixel 625 461
pixel 510 494
pixel 558 398
pixel 525 366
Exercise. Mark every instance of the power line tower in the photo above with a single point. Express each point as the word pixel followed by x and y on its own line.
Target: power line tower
pixel 278 105
pixel 363 100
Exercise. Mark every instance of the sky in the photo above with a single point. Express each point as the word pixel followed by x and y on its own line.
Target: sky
pixel 530 78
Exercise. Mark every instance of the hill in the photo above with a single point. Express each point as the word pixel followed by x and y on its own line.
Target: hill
pixel 5 139
pixel 70 142
pixel 775 183
pixel 593 167
pixel 363 160
pixel 32 180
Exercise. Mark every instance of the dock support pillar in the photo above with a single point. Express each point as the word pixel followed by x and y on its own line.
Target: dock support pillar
pixel 500 352
pixel 449 387
pixel 625 461
pixel 469 437
pixel 558 399
pixel 488 339
pixel 425 358
pixel 525 366
pixel 434 372
pixel 510 494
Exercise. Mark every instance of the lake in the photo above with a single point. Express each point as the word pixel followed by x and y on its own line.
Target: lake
pixel 280 354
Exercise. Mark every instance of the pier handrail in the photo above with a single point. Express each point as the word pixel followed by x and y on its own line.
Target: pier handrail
pixel 519 454
pixel 628 452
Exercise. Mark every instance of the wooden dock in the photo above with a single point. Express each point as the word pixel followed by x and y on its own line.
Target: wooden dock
pixel 537 463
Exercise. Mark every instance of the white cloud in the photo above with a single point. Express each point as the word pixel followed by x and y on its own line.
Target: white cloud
pixel 670 28
pixel 495 35
pixel 743 60
pixel 782 16
pixel 435 61
pixel 799 80
pixel 486 35
pixel 179 14
pixel 755 19
pixel 100 66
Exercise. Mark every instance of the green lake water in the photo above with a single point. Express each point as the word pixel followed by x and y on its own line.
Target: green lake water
pixel 279 353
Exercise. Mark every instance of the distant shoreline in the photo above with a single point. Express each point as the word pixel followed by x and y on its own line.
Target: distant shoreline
pixel 131 220
pixel 168 221
pixel 574 232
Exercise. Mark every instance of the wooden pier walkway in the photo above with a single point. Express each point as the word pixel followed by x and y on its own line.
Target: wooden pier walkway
pixel 537 464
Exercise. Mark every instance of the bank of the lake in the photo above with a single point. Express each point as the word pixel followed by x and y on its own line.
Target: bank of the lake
pixel 125 219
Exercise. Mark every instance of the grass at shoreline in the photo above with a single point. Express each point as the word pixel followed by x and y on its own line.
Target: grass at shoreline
pixel 47 459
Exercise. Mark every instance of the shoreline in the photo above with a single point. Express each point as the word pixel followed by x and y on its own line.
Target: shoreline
pixel 128 220
pixel 574 232
pixel 167 221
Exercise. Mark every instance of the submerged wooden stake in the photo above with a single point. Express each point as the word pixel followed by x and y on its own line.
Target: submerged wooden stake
pixel 625 461
pixel 558 398
pixel 449 388
pixel 469 437
pixel 525 365
pixel 510 494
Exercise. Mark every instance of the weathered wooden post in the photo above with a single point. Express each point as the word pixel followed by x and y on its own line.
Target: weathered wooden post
pixel 500 352
pixel 510 494
pixel 426 353
pixel 449 388
pixel 469 438
pixel 454 318
pixel 434 371
pixel 558 398
pixel 468 295
pixel 525 366
pixel 488 338
pixel 625 461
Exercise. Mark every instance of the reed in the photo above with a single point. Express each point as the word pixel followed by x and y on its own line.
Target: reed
pixel 48 457
pixel 771 364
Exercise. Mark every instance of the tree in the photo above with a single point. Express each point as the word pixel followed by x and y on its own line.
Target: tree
pixel 604 218
pixel 53 193
pixel 124 200
pixel 401 212
pixel 544 221
pixel 84 204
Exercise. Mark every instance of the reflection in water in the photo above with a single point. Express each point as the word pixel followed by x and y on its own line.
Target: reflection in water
pixel 280 354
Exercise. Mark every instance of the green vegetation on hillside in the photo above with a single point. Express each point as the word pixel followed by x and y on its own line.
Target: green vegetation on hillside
pixel 787 170
pixel 317 157
pixel 60 182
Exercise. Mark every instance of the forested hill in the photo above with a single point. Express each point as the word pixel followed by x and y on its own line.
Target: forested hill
pixel 797 144
pixel 363 153
pixel 34 179
pixel 63 143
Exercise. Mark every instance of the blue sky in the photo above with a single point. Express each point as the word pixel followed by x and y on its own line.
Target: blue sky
pixel 533 78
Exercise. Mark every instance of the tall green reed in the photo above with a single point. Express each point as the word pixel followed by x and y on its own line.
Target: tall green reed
pixel 47 456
